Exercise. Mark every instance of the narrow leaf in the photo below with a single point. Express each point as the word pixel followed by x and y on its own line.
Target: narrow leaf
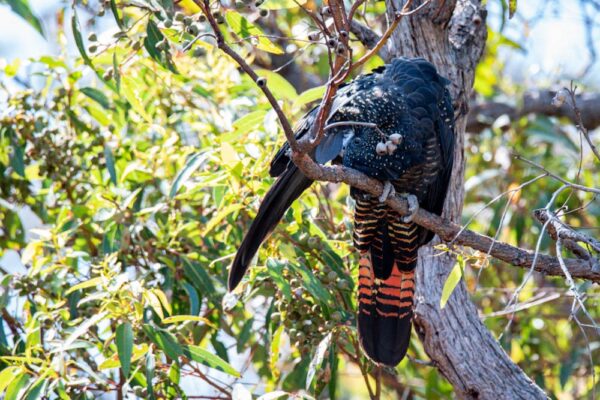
pixel 7 375
pixel 150 374
pixel 22 8
pixel 97 96
pixel 205 357
pixel 124 341
pixel 317 360
pixel 110 164
pixel 183 318
pixel 191 165
pixel 84 285
pixel 451 282
pixel 78 38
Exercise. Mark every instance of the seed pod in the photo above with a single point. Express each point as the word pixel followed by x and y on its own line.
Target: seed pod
pixel 326 11
pixel 261 82
pixel 92 37
pixel 107 76
pixel 342 284
pixel 332 276
pixel 332 42
pixel 340 50
pixel 263 13
pixel 313 242
pixel 199 52
pixel 396 138
pixel 93 48
pixel 202 18
pixel 193 29
pixel 314 36
pixel 220 19
pixel 381 148
pixel 179 16
pixel 187 20
pixel 167 23
pixel 343 34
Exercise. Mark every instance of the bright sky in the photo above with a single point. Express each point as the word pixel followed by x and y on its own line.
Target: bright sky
pixel 555 45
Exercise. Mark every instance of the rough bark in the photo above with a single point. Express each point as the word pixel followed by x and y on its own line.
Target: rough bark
pixel 451 34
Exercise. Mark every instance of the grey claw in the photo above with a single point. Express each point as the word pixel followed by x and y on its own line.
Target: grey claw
pixel 413 207
pixel 388 190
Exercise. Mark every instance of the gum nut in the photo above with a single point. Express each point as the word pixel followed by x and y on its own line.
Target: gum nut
pixel 396 138
pixel 381 148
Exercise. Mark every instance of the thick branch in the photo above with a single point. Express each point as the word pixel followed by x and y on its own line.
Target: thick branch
pixel 483 115
pixel 446 230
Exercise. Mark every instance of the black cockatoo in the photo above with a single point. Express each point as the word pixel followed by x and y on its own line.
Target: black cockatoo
pixel 412 109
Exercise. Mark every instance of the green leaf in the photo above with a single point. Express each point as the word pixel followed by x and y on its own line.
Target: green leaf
pixel 221 215
pixel 37 389
pixel 165 341
pixel 22 8
pixel 317 360
pixel 131 91
pixel 16 388
pixel 205 357
pixel 82 329
pixel 275 271
pixel 78 38
pixel 312 284
pixel 246 29
pixel 124 341
pixel 309 96
pixel 84 285
pixel 452 280
pixel 512 8
pixel 7 375
pixel 110 164
pixel 275 343
pixel 196 274
pixel 282 4
pixel 244 335
pixel 153 36
pixel 194 300
pixel 115 12
pixel 17 160
pixel 191 165
pixel 249 121
pixel 150 374
pixel 184 318
pixel 97 96
pixel 279 86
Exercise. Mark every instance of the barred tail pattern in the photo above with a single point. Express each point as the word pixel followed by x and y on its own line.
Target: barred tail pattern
pixel 386 283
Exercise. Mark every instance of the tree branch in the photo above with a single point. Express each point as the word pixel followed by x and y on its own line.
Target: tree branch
pixel 483 115
pixel 446 230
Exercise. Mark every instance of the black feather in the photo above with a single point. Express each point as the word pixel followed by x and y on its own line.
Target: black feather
pixel 288 187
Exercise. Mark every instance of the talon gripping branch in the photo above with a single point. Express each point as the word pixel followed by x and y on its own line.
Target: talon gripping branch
pixel 411 146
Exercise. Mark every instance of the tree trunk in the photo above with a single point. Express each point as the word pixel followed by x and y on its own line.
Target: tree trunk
pixel 451 34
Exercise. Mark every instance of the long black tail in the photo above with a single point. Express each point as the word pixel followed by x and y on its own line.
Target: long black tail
pixel 288 187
